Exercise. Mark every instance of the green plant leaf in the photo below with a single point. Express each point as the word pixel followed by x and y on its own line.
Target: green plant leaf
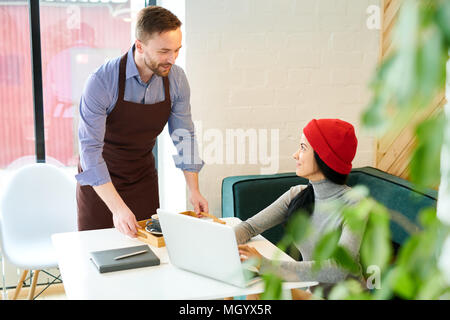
pixel 428 217
pixel 298 227
pixel 348 289
pixel 408 252
pixel 343 258
pixel 404 284
pixel 339 292
pixel 356 216
pixel 272 287
pixel 442 19
pixel 376 244
pixel 401 78
pixel 433 287
pixel 326 247
pixel 426 159
pixel 373 118
pixel 431 61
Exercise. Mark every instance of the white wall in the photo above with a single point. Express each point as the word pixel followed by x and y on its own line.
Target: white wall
pixel 276 64
pixel 172 186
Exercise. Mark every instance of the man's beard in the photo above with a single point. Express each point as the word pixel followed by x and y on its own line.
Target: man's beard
pixel 158 68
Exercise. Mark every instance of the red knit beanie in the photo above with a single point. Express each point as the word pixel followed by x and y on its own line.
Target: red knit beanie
pixel 334 141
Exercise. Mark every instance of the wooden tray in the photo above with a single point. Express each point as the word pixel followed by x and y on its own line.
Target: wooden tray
pixel 149 238
pixel 205 214
pixel 158 242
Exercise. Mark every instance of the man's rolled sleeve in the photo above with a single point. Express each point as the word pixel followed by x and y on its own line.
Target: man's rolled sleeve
pixel 94 176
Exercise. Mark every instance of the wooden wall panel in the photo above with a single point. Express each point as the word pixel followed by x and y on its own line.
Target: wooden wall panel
pixel 394 149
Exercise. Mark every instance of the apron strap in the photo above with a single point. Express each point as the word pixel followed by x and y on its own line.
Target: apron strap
pixel 122 72
pixel 167 91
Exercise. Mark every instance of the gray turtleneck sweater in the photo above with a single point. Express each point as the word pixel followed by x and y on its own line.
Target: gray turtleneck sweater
pixel 322 221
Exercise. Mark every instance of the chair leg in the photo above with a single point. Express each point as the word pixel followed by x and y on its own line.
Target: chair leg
pixel 33 285
pixel 20 284
pixel 4 293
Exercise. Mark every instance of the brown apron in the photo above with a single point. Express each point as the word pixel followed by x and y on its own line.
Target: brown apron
pixel 131 132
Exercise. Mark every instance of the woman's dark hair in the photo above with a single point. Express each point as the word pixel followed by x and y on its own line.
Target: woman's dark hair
pixel 305 199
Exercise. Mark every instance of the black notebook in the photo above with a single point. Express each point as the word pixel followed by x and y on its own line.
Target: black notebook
pixel 105 262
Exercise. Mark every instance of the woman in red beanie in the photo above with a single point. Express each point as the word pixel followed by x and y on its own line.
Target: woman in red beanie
pixel 327 149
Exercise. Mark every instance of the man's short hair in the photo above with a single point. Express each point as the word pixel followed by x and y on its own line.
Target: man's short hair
pixel 155 19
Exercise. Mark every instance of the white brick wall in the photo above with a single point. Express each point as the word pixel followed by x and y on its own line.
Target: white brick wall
pixel 276 64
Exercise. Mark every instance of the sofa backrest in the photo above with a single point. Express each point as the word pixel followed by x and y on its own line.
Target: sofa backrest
pixel 245 196
pixel 398 195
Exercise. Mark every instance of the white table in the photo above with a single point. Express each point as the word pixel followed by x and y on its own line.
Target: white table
pixel 82 280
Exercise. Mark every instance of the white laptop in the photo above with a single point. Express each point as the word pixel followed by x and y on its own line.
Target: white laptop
pixel 204 247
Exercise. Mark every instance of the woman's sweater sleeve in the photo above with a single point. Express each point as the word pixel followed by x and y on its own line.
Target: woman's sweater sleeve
pixel 329 271
pixel 267 218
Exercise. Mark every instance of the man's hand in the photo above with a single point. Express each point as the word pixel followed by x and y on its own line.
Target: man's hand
pixel 199 202
pixel 125 221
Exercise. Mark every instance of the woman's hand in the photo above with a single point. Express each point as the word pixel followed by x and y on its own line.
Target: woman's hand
pixel 246 252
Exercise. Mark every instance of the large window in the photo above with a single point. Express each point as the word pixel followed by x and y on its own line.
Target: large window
pixel 76 38
pixel 16 99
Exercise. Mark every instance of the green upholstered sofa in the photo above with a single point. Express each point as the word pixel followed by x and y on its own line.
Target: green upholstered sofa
pixel 244 196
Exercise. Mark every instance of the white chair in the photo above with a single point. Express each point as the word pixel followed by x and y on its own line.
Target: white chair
pixel 39 200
